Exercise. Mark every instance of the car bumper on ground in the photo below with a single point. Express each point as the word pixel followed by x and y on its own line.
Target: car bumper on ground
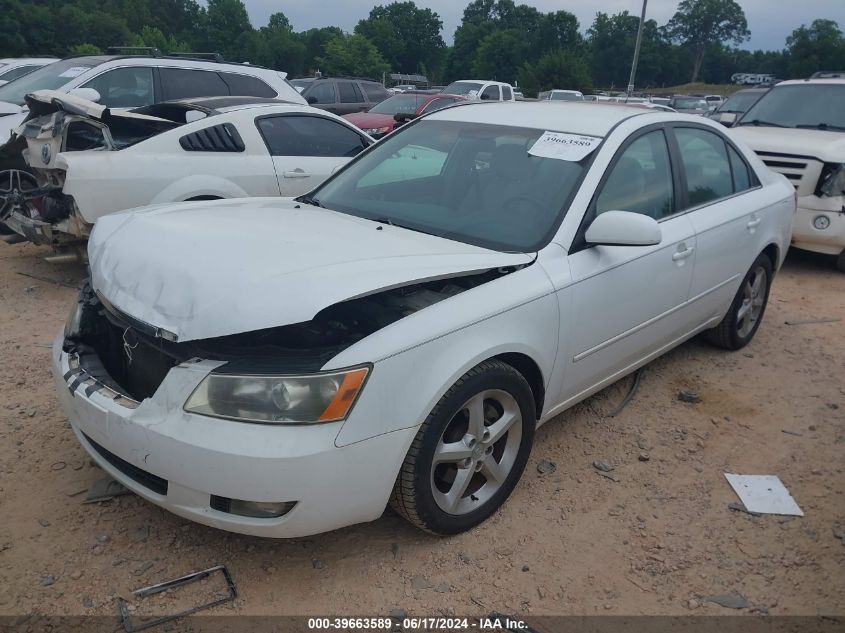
pixel 820 225
pixel 186 463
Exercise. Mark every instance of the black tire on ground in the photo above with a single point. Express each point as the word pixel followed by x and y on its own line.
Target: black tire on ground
pixel 840 261
pixel 728 334
pixel 413 494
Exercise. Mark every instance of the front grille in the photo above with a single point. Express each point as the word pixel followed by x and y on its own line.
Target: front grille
pixel 138 475
pixel 802 171
pixel 133 360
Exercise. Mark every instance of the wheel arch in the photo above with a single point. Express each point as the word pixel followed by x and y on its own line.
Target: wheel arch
pixel 530 370
pixel 772 251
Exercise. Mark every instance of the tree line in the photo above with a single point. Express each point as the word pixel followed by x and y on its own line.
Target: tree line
pixel 496 39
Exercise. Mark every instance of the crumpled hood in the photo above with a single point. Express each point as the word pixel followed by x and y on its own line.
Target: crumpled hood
pixel 206 269
pixel 826 146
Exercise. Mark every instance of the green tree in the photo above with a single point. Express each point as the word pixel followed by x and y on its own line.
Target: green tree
pixel 612 39
pixel 562 69
pixel 84 49
pixel 315 41
pixel 699 23
pixel 226 28
pixel 821 46
pixel 152 36
pixel 500 55
pixel 408 37
pixel 352 55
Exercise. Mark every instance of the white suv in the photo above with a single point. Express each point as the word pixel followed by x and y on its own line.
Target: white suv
pixel 131 81
pixel 798 130
pixel 481 90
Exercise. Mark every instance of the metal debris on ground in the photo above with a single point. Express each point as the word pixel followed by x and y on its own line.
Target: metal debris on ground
pixel 545 467
pixel 630 396
pixel 689 396
pixel 736 506
pixel 763 494
pixel 104 489
pixel 732 600
pixel 811 321
pixel 143 592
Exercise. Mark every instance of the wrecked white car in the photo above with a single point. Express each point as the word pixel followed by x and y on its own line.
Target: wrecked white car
pixel 89 160
pixel 396 335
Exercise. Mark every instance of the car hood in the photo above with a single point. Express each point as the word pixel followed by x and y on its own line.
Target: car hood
pixel 206 269
pixel 826 146
pixel 9 108
pixel 370 120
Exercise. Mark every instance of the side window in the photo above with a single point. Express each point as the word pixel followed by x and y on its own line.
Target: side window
pixel 349 92
pixel 437 104
pixel 374 92
pixel 322 91
pixel 293 135
pixel 245 85
pixel 181 83
pixel 705 159
pixel 124 87
pixel 491 93
pixel 739 169
pixel 641 180
pixel 507 95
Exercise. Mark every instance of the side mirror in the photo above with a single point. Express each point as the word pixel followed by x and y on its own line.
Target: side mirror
pixel 485 97
pixel 624 228
pixel 311 100
pixel 402 117
pixel 727 118
pixel 89 94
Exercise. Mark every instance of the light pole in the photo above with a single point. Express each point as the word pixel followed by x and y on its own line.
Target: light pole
pixel 637 50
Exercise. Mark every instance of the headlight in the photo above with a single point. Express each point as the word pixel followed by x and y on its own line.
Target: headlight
pixel 74 319
pixel 832 181
pixel 309 399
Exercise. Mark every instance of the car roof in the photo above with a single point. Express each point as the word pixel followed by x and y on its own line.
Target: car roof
pixel 168 60
pixel 819 81
pixel 580 118
pixel 228 103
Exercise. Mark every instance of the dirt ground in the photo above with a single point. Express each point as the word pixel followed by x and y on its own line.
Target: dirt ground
pixel 658 538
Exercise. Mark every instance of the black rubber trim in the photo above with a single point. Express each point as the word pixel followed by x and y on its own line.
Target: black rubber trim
pixel 138 475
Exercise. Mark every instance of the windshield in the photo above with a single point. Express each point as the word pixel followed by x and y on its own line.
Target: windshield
pixel 462 88
pixel 406 104
pixel 740 102
pixel 49 77
pixel 688 103
pixel 471 182
pixel 566 96
pixel 800 105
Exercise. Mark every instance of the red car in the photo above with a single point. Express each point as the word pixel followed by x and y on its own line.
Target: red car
pixel 382 118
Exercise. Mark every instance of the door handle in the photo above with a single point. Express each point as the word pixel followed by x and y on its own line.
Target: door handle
pixel 753 223
pixel 296 173
pixel 681 255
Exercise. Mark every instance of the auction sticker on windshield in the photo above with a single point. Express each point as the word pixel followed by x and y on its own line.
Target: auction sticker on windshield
pixel 75 71
pixel 571 147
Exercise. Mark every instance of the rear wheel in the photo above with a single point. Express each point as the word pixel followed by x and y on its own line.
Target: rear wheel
pixel 746 312
pixel 469 453
pixel 840 261
pixel 13 182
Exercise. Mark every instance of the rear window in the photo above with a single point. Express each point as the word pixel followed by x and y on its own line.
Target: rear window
pixel 349 92
pixel 182 83
pixel 247 86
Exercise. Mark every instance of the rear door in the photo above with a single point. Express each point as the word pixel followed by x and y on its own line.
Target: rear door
pixel 350 97
pixel 127 87
pixel 307 148
pixel 725 205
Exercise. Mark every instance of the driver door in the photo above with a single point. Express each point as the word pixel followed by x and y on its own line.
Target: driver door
pixel 628 302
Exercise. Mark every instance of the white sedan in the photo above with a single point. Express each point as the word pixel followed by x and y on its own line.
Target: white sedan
pixel 287 367
pixel 89 160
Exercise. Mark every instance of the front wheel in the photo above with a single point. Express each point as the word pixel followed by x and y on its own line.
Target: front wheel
pixel 746 312
pixel 469 453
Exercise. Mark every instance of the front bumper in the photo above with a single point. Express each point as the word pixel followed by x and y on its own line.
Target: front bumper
pixel 807 237
pixel 67 231
pixel 196 456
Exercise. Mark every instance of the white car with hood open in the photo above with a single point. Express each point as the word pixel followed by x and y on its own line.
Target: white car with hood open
pixel 287 367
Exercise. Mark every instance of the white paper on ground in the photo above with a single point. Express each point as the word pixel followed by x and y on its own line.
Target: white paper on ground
pixel 561 146
pixel 764 494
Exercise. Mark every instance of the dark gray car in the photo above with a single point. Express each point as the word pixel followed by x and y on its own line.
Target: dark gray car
pixel 341 95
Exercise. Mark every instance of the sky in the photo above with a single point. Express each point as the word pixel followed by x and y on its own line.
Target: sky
pixel 770 21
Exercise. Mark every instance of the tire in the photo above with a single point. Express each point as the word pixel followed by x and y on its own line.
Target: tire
pixel 840 262
pixel 746 312
pixel 488 465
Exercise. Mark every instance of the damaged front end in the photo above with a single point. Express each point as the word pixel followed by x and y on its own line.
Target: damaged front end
pixel 32 201
pixel 127 359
